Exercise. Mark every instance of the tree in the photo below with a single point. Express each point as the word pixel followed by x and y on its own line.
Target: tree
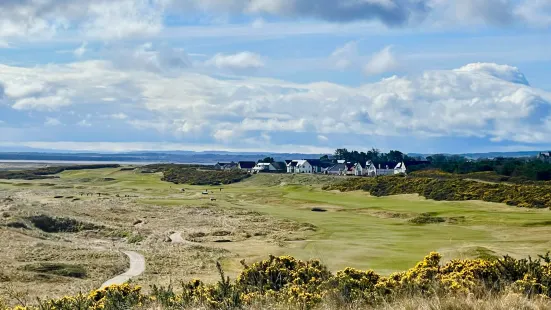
pixel 395 156
pixel 267 160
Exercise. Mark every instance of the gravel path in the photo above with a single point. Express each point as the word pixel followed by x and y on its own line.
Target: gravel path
pixel 137 267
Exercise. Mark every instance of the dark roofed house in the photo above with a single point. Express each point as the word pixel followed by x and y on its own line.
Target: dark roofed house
pixel 337 169
pixel 280 166
pixel 246 165
pixel 545 156
pixel 220 166
pixel 317 165
pixel 229 166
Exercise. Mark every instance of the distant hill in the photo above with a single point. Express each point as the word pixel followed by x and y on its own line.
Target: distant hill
pixel 190 157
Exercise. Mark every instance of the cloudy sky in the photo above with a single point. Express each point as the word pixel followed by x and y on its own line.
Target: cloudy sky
pixel 276 75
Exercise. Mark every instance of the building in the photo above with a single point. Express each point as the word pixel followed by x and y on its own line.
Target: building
pixel 246 165
pixel 281 167
pixel 263 167
pixel 220 166
pixel 225 166
pixel 275 167
pixel 338 169
pixel 545 156
pixel 380 169
pixel 400 168
pixel 360 169
pixel 304 166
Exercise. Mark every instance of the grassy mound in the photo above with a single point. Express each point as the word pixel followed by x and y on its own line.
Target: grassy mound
pixel 47 173
pixel 197 175
pixel 59 224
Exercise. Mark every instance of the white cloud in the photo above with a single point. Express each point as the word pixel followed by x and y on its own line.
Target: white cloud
pixel 84 123
pixel 504 72
pixel 118 116
pixel 323 138
pixel 345 56
pixel 79 51
pixel 535 12
pixel 50 121
pixel 149 57
pixel 258 23
pixel 381 62
pixel 477 100
pixel 238 62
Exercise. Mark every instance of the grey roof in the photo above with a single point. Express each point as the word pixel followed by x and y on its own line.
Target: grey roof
pixel 337 168
pixel 279 165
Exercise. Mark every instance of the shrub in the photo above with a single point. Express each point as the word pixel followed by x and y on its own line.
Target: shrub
pixel 528 196
pixel 426 218
pixel 300 284
pixel 193 175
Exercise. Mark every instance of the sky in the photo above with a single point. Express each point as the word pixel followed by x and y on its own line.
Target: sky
pixel 424 76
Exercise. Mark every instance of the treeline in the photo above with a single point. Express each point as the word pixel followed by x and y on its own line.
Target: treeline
pixel 518 170
pixel 197 174
pixel 525 196
pixel 374 155
pixel 48 172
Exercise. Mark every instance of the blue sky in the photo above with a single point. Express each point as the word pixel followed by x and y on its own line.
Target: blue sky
pixel 276 75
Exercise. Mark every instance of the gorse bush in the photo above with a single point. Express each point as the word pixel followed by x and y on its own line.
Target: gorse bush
pixel 527 196
pixel 286 281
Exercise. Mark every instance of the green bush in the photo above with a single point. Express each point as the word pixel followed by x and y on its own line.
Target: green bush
pixel 197 175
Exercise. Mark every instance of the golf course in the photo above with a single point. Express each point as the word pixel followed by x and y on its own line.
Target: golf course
pixel 183 230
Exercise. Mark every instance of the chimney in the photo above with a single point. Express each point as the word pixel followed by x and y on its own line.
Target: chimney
pixel 379 166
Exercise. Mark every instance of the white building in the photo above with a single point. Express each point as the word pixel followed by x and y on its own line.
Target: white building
pixel 264 167
pixel 384 169
pixel 304 166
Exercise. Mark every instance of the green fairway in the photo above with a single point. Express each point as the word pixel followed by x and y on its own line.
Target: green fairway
pixel 357 230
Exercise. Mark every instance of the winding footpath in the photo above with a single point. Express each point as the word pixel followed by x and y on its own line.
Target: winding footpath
pixel 137 267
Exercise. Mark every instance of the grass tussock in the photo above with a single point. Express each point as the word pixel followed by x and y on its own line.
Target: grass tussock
pixel 287 283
